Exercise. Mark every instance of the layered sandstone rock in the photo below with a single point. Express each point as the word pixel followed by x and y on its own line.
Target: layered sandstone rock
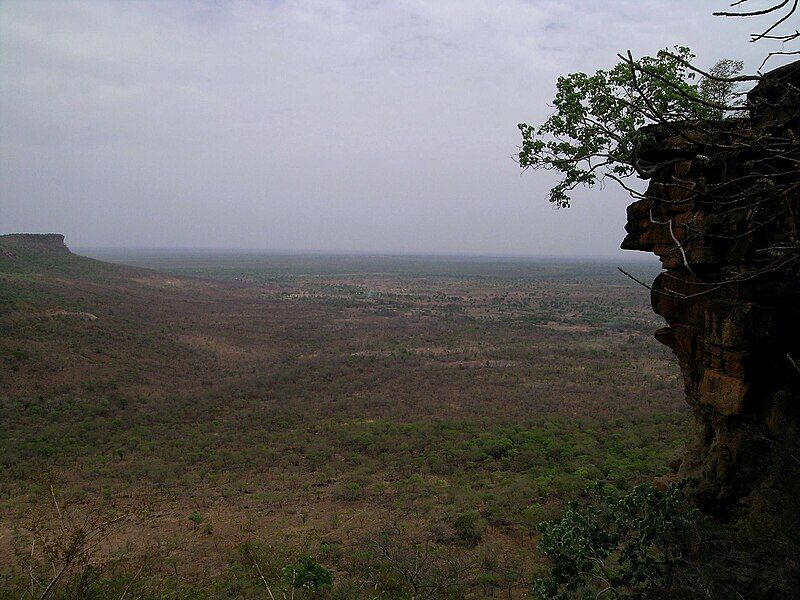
pixel 729 292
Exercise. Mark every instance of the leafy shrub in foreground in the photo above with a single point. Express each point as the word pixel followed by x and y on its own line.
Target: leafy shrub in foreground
pixel 619 543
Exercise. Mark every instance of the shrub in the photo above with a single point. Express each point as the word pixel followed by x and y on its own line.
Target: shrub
pixel 307 574
pixel 469 526
pixel 196 518
pixel 619 543
pixel 498 447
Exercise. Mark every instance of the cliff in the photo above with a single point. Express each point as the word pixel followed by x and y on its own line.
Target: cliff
pixel 12 243
pixel 38 253
pixel 720 212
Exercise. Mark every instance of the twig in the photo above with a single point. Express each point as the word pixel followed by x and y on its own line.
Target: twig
pixel 260 574
pixel 58 510
pixel 130 583
pixel 793 363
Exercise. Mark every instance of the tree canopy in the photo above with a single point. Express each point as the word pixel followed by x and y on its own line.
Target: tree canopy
pixel 597 125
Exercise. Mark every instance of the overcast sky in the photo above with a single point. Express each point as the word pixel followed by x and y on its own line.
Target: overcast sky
pixel 374 126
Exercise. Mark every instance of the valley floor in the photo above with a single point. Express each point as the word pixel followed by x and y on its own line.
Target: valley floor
pixel 368 413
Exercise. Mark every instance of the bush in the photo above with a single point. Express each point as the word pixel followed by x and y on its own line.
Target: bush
pixel 196 518
pixel 498 447
pixel 307 574
pixel 619 543
pixel 469 527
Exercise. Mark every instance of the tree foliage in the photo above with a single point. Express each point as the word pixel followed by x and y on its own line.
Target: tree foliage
pixel 306 574
pixel 597 125
pixel 619 543
pixel 720 88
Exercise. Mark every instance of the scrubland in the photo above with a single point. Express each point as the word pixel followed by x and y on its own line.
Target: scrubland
pixel 345 427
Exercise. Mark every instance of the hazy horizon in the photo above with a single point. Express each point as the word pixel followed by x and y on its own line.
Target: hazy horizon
pixel 107 251
pixel 311 126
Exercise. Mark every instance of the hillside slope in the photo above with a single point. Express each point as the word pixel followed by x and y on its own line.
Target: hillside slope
pixel 35 253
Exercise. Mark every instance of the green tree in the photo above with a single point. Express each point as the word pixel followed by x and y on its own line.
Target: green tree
pixel 721 87
pixel 307 574
pixel 619 543
pixel 598 122
pixel 469 526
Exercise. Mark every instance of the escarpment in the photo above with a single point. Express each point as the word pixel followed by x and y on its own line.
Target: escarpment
pixel 721 212
pixel 40 242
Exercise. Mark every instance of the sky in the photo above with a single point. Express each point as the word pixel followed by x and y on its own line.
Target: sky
pixel 313 125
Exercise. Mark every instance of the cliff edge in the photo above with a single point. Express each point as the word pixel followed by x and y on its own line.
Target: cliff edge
pixel 36 242
pixel 720 213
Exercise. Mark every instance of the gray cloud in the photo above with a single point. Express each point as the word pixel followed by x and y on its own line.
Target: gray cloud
pixel 311 124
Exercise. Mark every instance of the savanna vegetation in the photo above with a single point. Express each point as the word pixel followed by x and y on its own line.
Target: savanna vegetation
pixel 237 426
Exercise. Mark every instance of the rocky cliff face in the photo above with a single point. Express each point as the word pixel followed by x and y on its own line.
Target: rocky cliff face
pixel 39 242
pixel 721 213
